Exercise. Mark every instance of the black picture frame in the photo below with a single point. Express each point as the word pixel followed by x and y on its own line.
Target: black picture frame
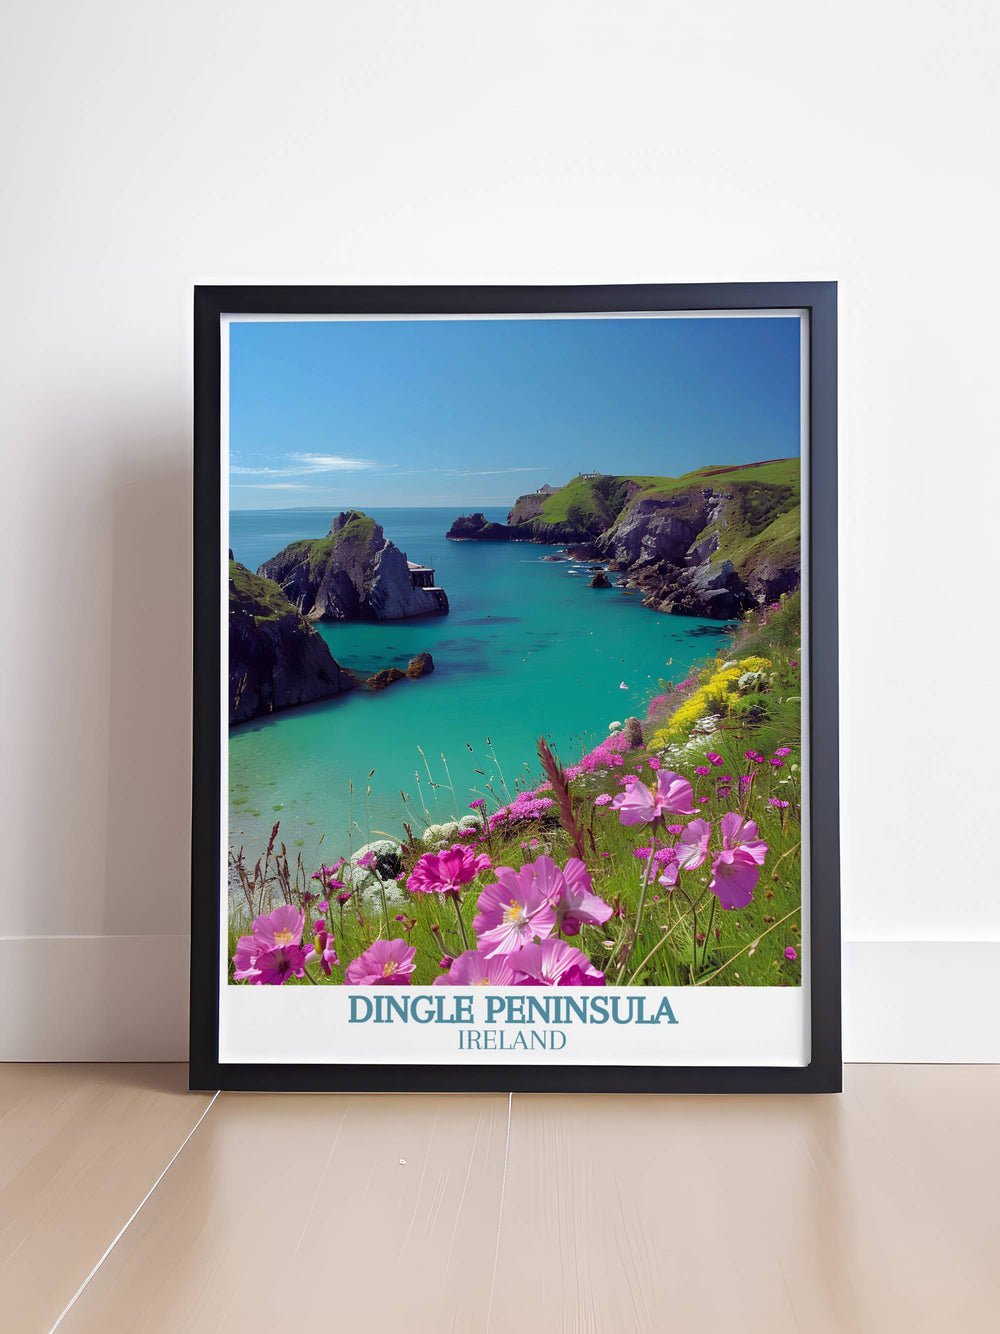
pixel 823 1074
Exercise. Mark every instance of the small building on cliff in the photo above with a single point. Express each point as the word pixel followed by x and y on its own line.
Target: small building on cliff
pixel 421 576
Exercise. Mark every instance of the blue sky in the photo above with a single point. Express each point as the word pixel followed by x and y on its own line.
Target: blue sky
pixel 477 412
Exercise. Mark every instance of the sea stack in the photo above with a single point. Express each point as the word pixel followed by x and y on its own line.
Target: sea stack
pixel 476 527
pixel 354 573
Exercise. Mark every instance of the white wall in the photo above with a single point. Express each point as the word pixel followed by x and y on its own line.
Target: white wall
pixel 149 146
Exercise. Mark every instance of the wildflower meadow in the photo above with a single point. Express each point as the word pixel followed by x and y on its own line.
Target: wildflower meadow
pixel 668 855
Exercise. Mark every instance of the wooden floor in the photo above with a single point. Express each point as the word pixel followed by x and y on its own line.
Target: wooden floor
pixel 127 1204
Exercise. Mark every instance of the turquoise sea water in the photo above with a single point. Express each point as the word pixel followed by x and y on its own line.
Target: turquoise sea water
pixel 527 650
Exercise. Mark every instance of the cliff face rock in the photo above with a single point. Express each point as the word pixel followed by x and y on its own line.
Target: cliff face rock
pixel 526 508
pixel 655 530
pixel 354 573
pixel 276 658
pixel 476 527
pixel 712 550
pixel 713 590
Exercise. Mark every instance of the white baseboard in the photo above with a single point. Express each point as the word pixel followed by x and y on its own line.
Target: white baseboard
pixel 125 998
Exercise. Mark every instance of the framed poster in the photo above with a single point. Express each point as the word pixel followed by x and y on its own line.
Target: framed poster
pixel 515 708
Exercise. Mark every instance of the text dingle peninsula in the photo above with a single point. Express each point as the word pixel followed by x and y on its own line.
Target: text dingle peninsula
pixel 510 1021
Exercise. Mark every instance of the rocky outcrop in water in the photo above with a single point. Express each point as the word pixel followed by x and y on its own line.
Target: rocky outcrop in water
pixel 355 573
pixel 599 580
pixel 386 677
pixel 418 666
pixel 276 658
pixel 476 527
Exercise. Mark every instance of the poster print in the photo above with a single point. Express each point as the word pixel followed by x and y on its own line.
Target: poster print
pixel 516 771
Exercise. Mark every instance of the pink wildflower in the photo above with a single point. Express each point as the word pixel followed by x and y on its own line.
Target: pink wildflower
pixel 446 872
pixel 654 763
pixel 670 876
pixel 603 800
pixel 275 966
pixel 790 953
pixel 324 952
pixel 525 806
pixel 714 757
pixel 740 833
pixel 638 805
pixel 281 927
pixel 702 770
pixel 474 969
pixel 571 895
pixel 601 757
pixel 735 873
pixel 553 963
pixel 515 910
pixel 783 750
pixel 247 950
pixel 693 846
pixel 386 963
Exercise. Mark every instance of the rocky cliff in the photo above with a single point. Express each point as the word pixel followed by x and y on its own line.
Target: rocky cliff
pixel 354 573
pixel 726 541
pixel 710 543
pixel 276 658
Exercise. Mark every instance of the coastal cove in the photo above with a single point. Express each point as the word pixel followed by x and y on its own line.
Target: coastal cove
pixel 528 649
